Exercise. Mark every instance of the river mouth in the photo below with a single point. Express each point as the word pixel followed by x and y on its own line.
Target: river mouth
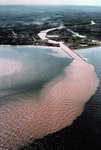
pixel 60 102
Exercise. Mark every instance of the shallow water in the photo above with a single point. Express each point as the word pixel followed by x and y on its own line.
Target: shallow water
pixel 46 95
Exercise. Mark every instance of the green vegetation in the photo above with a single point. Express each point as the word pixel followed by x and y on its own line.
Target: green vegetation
pixel 27 21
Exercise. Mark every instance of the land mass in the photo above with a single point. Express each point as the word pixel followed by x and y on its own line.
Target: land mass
pixel 72 38
pixel 80 27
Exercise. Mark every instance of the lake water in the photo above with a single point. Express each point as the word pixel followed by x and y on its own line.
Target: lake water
pixel 44 91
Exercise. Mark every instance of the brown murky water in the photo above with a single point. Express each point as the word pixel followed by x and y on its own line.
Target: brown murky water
pixel 59 104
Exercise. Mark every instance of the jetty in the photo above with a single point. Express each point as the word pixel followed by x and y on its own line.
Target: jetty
pixel 71 53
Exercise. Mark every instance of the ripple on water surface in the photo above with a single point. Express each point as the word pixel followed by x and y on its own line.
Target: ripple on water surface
pixel 58 106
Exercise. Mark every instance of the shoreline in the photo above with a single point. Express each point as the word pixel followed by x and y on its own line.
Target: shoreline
pixel 86 48
pixel 42 46
pixel 45 41
pixel 51 47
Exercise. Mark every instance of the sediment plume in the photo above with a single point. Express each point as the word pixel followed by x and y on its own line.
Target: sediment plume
pixel 58 105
